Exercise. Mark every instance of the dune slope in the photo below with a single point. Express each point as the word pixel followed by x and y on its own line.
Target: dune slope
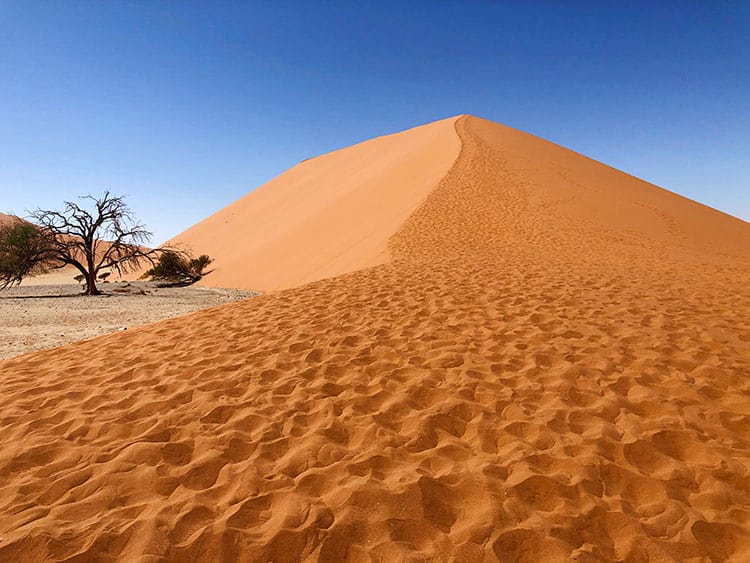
pixel 552 365
pixel 327 215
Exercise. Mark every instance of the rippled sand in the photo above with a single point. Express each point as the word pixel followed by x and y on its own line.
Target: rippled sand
pixel 553 364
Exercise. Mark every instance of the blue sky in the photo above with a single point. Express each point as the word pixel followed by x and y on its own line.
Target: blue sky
pixel 186 107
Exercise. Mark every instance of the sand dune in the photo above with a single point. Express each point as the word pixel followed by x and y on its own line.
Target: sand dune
pixel 551 364
pixel 5 219
pixel 326 216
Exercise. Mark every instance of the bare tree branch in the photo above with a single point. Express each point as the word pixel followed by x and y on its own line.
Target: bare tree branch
pixel 92 235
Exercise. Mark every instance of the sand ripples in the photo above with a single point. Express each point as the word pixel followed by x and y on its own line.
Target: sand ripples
pixel 490 394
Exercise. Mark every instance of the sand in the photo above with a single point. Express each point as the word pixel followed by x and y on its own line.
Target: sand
pixel 325 216
pixel 551 365
pixel 37 316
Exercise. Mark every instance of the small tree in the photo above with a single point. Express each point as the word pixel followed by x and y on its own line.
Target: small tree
pixel 23 251
pixel 104 236
pixel 177 268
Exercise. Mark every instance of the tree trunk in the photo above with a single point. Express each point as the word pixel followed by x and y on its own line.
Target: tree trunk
pixel 91 272
pixel 91 288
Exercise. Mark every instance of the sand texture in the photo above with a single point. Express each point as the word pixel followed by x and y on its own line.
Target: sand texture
pixel 552 365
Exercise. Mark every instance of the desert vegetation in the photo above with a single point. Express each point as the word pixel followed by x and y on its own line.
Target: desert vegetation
pixel 97 236
pixel 23 251
pixel 178 268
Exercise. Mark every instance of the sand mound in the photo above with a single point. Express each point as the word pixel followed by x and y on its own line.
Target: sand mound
pixel 553 365
pixel 326 216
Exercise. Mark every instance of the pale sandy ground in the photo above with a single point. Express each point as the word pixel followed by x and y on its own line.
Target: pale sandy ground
pixel 553 365
pixel 37 316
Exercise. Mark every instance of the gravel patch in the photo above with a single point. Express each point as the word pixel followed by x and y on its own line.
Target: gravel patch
pixel 36 317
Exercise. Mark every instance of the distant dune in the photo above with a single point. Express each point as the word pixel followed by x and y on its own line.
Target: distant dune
pixel 506 351
pixel 4 218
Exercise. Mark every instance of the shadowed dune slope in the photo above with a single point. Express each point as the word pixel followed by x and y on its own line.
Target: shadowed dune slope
pixel 327 215
pixel 553 365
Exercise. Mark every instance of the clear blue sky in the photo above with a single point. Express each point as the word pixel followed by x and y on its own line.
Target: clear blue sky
pixel 185 107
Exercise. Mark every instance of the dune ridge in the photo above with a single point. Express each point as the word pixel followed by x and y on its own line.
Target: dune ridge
pixel 327 215
pixel 551 366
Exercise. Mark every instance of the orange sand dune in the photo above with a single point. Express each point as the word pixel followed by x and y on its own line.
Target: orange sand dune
pixel 552 365
pixel 5 218
pixel 326 216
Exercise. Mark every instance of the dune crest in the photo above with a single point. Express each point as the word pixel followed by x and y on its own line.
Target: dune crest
pixel 551 365
pixel 325 216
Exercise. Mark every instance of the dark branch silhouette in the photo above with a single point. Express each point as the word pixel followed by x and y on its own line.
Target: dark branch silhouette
pixel 107 236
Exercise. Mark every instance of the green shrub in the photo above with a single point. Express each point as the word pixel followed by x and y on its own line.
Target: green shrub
pixel 24 251
pixel 178 268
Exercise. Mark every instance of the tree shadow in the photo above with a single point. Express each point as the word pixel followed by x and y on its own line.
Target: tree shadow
pixel 47 296
pixel 112 293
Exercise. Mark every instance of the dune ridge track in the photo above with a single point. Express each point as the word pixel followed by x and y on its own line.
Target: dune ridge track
pixel 553 366
pixel 326 216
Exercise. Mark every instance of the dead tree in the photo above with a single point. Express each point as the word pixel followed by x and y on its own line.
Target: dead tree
pixel 104 235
